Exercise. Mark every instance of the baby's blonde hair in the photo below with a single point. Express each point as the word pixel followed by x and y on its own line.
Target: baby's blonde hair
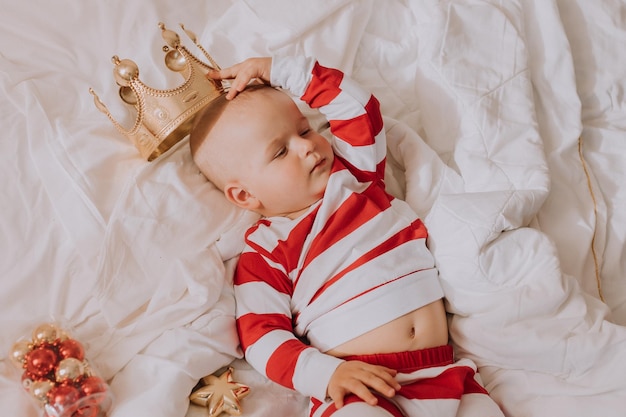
pixel 210 160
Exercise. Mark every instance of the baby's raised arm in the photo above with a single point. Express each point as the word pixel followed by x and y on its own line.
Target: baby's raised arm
pixel 352 112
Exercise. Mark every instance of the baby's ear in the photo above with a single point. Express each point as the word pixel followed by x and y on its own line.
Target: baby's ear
pixel 240 197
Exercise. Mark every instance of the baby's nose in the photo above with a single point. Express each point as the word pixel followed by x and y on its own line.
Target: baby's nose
pixel 304 146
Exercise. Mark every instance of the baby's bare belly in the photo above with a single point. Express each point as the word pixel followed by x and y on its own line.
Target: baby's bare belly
pixel 423 328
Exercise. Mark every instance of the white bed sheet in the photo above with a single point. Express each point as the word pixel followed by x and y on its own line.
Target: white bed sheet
pixel 487 104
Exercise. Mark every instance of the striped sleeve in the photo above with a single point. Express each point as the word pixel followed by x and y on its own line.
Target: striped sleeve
pixel 264 324
pixel 354 114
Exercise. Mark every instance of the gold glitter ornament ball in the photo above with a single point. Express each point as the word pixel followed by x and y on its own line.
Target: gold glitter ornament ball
pixel 46 333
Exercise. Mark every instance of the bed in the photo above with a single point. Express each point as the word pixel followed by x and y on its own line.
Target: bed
pixel 506 124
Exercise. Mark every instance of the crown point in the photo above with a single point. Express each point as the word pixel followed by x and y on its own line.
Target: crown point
pixel 175 61
pixel 169 36
pixel 125 71
pixel 99 104
pixel 189 33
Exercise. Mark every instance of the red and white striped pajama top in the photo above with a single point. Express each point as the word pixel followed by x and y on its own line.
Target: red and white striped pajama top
pixel 357 259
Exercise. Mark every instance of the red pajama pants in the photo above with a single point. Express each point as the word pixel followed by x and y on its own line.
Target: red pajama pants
pixel 432 385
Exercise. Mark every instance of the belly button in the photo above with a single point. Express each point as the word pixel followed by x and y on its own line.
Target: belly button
pixel 412 333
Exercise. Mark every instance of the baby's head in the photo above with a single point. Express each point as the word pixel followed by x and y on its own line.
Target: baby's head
pixel 260 150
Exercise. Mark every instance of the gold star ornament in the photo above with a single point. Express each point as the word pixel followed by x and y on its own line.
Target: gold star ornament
pixel 220 394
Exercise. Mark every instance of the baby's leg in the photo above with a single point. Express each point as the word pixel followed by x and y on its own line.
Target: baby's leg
pixel 452 391
pixel 355 407
pixel 361 409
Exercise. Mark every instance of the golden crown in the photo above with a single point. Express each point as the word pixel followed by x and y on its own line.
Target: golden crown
pixel 164 117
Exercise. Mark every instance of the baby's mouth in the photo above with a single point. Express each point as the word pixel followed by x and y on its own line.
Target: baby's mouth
pixel 318 164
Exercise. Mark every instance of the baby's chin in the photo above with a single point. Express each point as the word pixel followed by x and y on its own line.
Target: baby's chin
pixel 297 212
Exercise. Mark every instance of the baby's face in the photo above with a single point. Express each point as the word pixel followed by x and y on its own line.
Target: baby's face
pixel 281 160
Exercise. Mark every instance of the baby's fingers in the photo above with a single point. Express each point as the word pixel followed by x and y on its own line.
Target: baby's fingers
pixel 236 87
pixel 363 393
pixel 240 80
pixel 386 377
pixel 241 74
pixel 383 382
pixel 222 74
pixel 354 387
pixel 361 379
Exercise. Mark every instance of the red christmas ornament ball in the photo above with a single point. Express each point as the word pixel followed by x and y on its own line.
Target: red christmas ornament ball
pixel 70 348
pixel 92 385
pixel 40 361
pixel 63 396
pixel 93 391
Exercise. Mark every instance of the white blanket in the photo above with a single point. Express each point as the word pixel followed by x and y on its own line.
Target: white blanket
pixel 487 105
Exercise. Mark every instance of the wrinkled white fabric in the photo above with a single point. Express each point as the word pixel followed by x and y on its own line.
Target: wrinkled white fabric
pixel 485 104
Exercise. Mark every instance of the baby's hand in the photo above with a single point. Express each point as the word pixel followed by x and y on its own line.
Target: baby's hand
pixel 356 377
pixel 243 73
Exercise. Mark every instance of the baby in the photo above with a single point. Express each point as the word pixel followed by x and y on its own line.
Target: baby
pixel 337 294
